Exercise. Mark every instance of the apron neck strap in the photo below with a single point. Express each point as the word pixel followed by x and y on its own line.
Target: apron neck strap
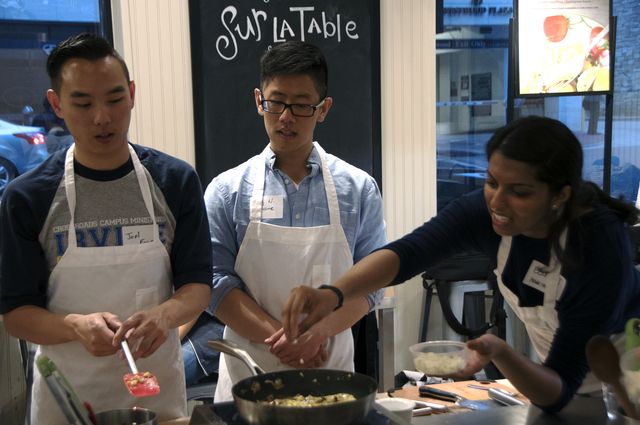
pixel 329 187
pixel 505 247
pixel 69 185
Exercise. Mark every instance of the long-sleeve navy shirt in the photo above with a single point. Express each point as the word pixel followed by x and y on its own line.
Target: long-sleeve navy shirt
pixel 602 289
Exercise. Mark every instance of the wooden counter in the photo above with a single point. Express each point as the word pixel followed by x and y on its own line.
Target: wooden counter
pixel 461 388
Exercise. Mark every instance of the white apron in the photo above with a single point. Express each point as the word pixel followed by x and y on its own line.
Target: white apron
pixel 121 280
pixel 271 261
pixel 541 321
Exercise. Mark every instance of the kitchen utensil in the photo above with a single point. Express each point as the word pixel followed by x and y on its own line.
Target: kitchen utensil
pixel 500 395
pixel 439 358
pixel 504 397
pixel 426 391
pixel 63 392
pixel 604 362
pixel 486 388
pixel 250 393
pixel 398 410
pixel 425 408
pixel 132 416
pixel 139 384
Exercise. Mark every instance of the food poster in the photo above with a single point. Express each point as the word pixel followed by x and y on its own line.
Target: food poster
pixel 563 46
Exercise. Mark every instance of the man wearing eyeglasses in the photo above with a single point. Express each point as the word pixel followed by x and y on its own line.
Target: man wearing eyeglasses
pixel 292 215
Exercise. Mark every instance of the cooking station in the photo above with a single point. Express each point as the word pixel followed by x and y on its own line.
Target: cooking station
pixel 581 411
pixel 226 413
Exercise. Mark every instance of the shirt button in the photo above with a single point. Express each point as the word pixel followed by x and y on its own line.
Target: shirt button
pixel 297 216
pixel 286 181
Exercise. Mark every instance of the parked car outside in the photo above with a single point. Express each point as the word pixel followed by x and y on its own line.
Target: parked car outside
pixel 21 149
pixel 58 139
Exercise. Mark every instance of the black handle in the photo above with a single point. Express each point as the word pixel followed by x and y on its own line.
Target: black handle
pixel 425 391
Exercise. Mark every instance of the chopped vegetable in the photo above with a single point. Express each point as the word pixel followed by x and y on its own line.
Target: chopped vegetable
pixel 142 384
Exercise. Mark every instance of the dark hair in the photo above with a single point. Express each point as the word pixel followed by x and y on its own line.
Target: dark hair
pixel 82 46
pixel 295 57
pixel 555 153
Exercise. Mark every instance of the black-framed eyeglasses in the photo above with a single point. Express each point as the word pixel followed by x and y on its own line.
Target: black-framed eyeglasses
pixel 297 109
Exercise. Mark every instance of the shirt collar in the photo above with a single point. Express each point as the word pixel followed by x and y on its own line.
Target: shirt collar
pixel 313 160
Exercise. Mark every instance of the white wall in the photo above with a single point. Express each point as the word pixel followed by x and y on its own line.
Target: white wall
pixel 153 36
pixel 408 140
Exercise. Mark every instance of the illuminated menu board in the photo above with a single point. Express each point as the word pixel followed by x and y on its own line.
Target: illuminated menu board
pixel 563 46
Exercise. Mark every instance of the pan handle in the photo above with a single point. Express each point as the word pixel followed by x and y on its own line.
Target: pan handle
pixel 232 349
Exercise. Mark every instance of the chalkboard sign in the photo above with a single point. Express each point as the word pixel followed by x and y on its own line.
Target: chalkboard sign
pixel 227 40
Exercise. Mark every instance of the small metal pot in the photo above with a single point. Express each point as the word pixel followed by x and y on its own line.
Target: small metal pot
pixel 135 415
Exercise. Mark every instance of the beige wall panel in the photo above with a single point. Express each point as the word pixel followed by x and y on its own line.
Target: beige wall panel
pixel 153 37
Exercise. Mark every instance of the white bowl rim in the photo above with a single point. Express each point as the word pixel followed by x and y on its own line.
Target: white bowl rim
pixel 458 344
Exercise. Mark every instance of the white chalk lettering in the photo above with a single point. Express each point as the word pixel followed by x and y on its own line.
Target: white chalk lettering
pixel 249 27
pixel 302 10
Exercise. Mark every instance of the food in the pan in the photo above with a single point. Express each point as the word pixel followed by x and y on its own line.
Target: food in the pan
pixel 142 384
pixel 300 400
pixel 276 383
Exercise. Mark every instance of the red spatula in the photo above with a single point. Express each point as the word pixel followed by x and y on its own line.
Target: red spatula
pixel 139 384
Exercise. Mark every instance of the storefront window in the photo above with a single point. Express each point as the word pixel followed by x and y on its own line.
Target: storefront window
pixel 472 57
pixel 471 64
pixel 29 30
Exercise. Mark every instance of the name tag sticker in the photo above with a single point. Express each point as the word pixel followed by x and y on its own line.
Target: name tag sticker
pixel 136 235
pixel 539 276
pixel 272 206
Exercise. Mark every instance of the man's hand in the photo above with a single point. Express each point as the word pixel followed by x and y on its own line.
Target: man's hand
pixel 319 360
pixel 145 331
pixel 306 351
pixel 317 303
pixel 95 331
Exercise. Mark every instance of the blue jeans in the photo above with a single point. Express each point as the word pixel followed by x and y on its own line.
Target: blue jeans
pixel 192 370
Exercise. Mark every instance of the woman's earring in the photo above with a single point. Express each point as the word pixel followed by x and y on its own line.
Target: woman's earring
pixel 554 207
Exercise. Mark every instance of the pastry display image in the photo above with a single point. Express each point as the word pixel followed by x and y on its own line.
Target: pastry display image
pixel 564 54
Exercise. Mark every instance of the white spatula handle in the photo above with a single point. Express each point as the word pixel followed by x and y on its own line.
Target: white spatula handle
pixel 127 354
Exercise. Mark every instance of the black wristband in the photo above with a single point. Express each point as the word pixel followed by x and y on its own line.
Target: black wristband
pixel 336 291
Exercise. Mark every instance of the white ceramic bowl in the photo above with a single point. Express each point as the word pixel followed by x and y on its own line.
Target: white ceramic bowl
pixel 440 358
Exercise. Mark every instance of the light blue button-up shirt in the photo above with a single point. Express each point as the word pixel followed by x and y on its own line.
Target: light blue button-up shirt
pixel 228 196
